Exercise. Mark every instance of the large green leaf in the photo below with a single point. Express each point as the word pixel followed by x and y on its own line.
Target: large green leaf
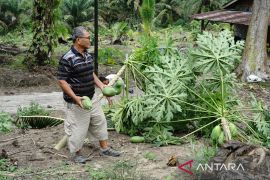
pixel 215 53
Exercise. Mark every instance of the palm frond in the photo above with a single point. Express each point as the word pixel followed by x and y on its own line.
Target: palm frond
pixel 38 122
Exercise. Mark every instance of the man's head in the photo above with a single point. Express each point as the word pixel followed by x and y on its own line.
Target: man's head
pixel 104 80
pixel 81 37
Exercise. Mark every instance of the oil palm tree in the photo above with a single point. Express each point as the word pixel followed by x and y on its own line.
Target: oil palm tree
pixel 44 35
pixel 167 11
pixel 78 11
pixel 10 11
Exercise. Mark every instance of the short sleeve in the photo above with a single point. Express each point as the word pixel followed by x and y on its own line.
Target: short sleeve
pixel 64 69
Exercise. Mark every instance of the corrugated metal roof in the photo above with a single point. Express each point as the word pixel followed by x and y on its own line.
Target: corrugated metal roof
pixel 234 17
pixel 229 4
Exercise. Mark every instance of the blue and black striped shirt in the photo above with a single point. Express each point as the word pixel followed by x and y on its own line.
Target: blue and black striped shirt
pixel 77 71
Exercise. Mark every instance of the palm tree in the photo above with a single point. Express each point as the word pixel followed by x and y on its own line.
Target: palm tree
pixel 44 35
pixel 147 12
pixel 119 10
pixel 10 11
pixel 78 11
pixel 186 8
pixel 167 11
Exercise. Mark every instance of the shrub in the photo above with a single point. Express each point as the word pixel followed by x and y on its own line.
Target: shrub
pixel 5 122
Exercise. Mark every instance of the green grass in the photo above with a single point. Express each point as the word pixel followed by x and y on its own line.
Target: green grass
pixel 21 39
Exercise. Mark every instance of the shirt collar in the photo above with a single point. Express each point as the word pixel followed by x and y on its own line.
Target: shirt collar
pixel 77 53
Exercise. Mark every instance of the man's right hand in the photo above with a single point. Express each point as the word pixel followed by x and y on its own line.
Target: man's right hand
pixel 78 101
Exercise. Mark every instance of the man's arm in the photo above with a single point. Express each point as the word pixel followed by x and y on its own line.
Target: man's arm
pixel 98 82
pixel 66 88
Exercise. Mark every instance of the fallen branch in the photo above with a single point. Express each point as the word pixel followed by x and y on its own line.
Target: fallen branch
pixel 42 172
pixel 18 152
pixel 10 50
pixel 61 155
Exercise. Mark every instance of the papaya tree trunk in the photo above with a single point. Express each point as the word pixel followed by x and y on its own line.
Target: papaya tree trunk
pixel 254 60
pixel 44 37
pixel 226 129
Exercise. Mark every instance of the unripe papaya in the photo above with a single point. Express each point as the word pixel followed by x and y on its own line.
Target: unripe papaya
pixel 119 83
pixel 86 102
pixel 118 90
pixel 221 138
pixel 233 129
pixel 216 132
pixel 108 91
pixel 137 139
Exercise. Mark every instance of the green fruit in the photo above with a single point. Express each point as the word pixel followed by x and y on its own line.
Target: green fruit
pixel 108 91
pixel 221 138
pixel 119 84
pixel 233 129
pixel 87 103
pixel 118 90
pixel 137 139
pixel 216 132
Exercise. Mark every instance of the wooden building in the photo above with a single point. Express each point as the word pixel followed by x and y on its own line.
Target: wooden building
pixel 237 13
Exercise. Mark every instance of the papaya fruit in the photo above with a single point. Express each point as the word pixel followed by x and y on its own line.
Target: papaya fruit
pixel 108 91
pixel 87 103
pixel 137 139
pixel 216 132
pixel 233 129
pixel 221 138
pixel 118 90
pixel 118 84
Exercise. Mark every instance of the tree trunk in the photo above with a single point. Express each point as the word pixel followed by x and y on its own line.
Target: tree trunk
pixel 254 60
pixel 44 37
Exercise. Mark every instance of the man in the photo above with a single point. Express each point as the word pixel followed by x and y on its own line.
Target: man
pixel 77 78
pixel 104 80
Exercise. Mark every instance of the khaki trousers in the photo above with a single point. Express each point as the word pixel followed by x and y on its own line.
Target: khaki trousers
pixel 79 122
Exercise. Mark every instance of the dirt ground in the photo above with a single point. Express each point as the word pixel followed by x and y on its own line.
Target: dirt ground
pixel 32 153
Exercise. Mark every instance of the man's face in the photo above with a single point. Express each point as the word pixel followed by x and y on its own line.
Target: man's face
pixel 84 41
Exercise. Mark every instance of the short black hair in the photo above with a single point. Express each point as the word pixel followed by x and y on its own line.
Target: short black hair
pixel 102 78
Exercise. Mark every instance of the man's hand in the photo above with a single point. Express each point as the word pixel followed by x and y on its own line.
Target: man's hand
pixel 78 101
pixel 108 98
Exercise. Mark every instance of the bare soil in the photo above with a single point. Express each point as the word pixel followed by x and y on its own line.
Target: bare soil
pixel 31 151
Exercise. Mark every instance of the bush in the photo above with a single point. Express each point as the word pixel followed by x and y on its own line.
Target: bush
pixel 33 109
pixel 109 56
pixel 5 122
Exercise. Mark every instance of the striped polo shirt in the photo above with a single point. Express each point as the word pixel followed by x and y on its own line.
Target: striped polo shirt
pixel 77 71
